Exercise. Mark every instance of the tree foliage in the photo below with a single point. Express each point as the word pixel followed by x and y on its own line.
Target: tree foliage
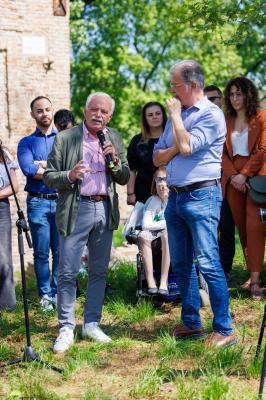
pixel 126 48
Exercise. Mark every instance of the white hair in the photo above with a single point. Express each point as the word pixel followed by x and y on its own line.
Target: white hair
pixel 92 95
pixel 190 71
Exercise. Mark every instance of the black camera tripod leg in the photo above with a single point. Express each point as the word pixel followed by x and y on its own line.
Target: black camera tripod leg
pixel 263 370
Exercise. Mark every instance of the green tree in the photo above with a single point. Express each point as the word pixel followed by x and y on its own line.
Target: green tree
pixel 247 18
pixel 126 49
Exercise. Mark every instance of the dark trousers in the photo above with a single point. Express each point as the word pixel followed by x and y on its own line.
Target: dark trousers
pixel 226 231
pixel 7 291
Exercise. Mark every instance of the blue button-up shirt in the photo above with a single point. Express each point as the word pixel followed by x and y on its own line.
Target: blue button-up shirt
pixel 206 124
pixel 35 147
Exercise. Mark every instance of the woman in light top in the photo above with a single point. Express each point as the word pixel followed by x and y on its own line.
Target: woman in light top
pixel 7 291
pixel 154 226
pixel 245 156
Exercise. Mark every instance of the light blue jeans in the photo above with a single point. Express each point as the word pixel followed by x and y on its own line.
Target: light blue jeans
pixel 192 219
pixel 41 217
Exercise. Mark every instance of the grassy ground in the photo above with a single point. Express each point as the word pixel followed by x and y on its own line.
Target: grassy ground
pixel 143 361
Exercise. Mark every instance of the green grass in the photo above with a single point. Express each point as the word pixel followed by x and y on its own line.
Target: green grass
pixel 129 313
pixel 118 238
pixel 143 361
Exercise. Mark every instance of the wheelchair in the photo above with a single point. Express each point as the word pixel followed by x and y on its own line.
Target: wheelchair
pixel 174 294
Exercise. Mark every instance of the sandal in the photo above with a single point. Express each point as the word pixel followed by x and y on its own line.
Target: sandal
pixel 256 291
pixel 246 284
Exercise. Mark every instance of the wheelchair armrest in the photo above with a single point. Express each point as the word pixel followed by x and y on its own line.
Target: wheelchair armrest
pixel 132 237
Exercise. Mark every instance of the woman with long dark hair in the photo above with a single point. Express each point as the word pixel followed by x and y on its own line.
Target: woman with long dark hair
pixel 245 156
pixel 7 291
pixel 140 150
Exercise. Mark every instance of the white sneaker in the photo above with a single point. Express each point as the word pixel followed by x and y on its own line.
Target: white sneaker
pixel 46 303
pixel 93 331
pixel 64 340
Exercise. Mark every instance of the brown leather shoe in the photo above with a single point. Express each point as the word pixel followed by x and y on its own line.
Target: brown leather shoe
pixel 214 339
pixel 182 332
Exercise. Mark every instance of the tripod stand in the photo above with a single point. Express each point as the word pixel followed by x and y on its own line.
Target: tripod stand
pixel 29 354
pixel 263 370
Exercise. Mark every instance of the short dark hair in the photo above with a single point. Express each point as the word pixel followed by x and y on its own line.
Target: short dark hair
pixel 38 98
pixel 210 88
pixel 250 92
pixel 145 129
pixel 63 117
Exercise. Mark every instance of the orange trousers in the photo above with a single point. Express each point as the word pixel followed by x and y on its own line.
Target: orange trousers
pixel 246 216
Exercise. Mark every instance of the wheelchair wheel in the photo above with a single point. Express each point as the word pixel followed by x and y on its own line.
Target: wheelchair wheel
pixel 204 297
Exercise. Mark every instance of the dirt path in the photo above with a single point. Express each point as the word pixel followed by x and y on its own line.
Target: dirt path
pixel 127 253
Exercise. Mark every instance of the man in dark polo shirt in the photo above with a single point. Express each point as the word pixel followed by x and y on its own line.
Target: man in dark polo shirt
pixel 226 227
pixel 32 154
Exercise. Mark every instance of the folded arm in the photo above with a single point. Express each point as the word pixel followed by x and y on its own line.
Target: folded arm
pixel 28 165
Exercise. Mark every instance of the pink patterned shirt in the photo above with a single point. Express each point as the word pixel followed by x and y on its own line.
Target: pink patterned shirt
pixel 94 181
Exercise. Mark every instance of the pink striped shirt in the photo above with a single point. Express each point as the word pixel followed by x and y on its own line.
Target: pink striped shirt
pixel 94 181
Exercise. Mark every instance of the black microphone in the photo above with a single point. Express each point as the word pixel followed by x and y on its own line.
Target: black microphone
pixel 108 157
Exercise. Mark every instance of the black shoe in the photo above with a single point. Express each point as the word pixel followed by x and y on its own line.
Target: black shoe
pixel 227 277
pixel 152 291
pixel 163 292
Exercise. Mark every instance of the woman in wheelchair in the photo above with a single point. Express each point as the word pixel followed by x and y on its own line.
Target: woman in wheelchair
pixel 154 226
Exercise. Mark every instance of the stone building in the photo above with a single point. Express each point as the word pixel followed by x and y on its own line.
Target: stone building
pixel 34 60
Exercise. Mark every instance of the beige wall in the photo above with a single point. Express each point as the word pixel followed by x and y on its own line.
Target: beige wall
pixel 31 36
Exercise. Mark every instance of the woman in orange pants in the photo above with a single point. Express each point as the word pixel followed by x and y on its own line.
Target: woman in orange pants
pixel 245 156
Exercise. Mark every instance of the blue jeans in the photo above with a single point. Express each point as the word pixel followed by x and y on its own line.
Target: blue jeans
pixel 192 219
pixel 41 217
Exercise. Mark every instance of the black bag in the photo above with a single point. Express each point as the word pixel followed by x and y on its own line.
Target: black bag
pixel 257 190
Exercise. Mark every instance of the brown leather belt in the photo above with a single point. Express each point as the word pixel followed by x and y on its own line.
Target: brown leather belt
pixel 193 186
pixel 95 197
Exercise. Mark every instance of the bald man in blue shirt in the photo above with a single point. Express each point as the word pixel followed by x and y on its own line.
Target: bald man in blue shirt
pixel 191 147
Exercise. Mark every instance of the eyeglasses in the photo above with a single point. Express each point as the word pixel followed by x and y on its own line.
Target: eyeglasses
pixel 173 84
pixel 160 179
pixel 212 98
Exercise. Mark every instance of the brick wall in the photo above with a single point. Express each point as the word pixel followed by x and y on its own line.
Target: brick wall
pixel 34 60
